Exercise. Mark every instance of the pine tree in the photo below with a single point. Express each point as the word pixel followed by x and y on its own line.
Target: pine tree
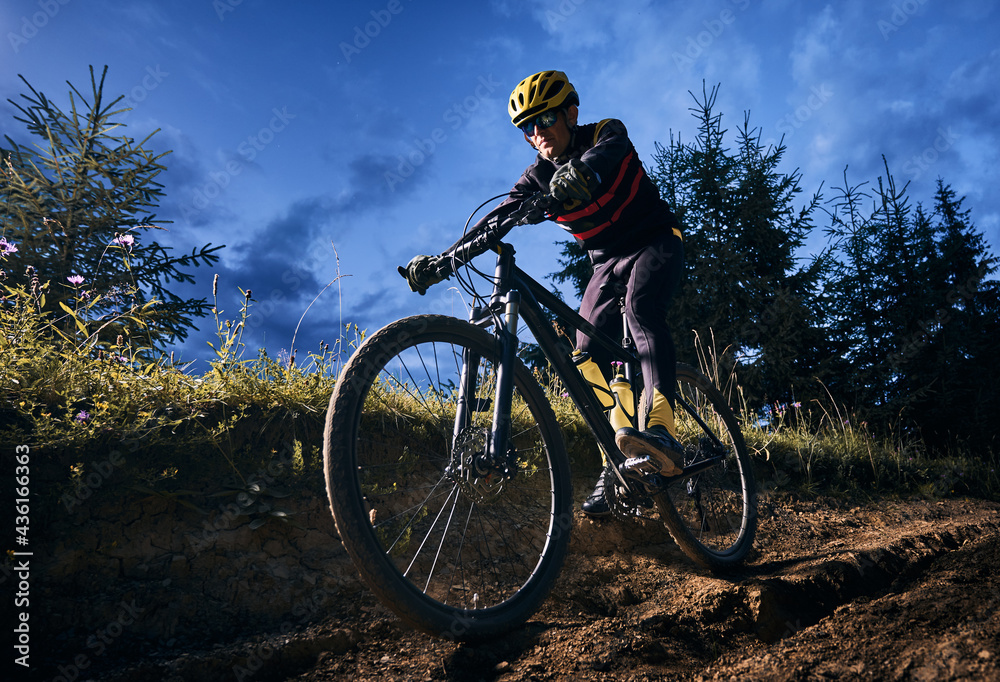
pixel 745 290
pixel 81 206
pixel 881 286
pixel 952 368
pixel 746 287
pixel 915 316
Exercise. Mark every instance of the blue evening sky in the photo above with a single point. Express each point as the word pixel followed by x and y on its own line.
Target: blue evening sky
pixel 317 138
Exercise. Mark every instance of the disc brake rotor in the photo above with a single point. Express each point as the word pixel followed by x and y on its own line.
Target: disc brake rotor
pixel 470 468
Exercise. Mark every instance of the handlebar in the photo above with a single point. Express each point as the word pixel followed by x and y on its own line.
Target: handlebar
pixel 534 209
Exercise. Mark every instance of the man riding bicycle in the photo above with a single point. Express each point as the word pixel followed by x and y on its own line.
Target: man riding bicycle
pixel 615 212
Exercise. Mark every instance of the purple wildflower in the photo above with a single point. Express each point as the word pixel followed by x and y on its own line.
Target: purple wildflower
pixel 125 240
pixel 75 280
pixel 83 416
pixel 6 247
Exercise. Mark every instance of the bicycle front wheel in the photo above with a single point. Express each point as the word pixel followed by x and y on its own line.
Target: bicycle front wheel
pixel 712 512
pixel 452 549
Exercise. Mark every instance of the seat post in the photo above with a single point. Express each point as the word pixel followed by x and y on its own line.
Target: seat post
pixel 627 343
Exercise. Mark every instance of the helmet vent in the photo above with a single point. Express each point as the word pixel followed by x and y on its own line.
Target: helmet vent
pixel 540 92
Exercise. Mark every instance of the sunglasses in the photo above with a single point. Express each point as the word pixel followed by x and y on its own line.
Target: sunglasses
pixel 542 121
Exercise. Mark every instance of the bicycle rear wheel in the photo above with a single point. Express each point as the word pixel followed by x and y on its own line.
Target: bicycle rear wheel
pixel 451 551
pixel 711 514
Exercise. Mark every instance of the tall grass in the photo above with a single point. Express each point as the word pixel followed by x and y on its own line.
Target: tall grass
pixel 76 399
pixel 820 447
pixel 80 400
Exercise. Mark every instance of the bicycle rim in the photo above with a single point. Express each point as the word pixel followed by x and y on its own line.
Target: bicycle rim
pixel 712 515
pixel 451 550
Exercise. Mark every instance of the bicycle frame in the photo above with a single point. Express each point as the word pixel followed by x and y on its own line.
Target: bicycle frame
pixel 517 295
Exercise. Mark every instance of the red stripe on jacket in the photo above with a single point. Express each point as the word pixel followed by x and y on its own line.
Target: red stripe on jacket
pixel 602 201
pixel 607 196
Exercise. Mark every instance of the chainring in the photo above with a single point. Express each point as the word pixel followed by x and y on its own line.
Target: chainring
pixel 625 503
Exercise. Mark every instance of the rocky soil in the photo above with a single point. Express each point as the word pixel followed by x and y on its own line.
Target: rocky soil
pixel 889 590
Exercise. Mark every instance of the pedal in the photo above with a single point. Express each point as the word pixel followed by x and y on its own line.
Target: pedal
pixel 639 467
pixel 646 464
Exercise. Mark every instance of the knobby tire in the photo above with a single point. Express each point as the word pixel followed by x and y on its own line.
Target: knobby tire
pixel 712 515
pixel 454 555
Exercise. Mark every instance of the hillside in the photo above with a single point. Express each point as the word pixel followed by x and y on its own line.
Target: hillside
pixel 903 590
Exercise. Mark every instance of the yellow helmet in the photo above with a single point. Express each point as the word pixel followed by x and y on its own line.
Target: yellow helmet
pixel 538 93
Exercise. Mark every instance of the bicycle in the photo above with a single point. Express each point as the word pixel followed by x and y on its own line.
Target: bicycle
pixel 447 474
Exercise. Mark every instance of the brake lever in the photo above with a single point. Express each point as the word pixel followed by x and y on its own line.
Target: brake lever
pixel 535 210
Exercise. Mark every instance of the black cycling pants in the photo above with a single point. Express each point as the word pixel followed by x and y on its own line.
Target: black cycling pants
pixel 650 275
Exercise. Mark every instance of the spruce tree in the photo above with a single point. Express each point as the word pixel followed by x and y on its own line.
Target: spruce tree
pixel 881 285
pixel 916 316
pixel 80 209
pixel 746 289
pixel 952 370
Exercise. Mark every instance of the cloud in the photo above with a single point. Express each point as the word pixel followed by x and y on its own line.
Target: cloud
pixel 972 87
pixel 292 258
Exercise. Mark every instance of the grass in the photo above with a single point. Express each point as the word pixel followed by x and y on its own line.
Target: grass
pixel 104 416
pixel 821 448
pixel 803 449
pixel 86 407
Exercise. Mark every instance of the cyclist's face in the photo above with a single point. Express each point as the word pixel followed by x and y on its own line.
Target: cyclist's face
pixel 552 141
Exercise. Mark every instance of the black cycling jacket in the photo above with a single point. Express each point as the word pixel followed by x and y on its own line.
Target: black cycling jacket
pixel 625 211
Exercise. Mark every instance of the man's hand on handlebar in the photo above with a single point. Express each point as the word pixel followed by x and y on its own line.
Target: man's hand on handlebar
pixel 422 272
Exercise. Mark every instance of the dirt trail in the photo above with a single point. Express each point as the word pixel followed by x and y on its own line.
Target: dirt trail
pixel 885 591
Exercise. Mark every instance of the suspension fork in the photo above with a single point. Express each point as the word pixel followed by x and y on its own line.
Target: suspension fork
pixel 502 403
pixel 467 402
pixel 508 301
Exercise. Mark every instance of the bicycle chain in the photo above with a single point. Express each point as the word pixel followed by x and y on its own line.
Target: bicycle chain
pixel 633 505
